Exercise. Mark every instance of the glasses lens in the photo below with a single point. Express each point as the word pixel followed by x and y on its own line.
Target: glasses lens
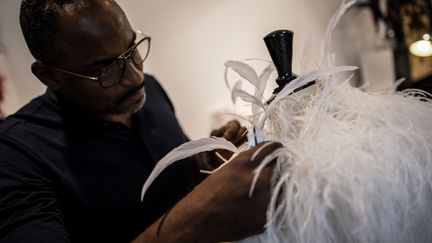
pixel 141 51
pixel 136 58
pixel 112 73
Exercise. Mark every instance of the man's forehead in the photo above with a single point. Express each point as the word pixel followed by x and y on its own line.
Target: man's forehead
pixel 88 8
pixel 77 5
pixel 72 8
pixel 95 33
pixel 106 20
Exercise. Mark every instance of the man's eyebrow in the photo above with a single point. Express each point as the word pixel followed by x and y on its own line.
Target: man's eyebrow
pixel 101 61
pixel 98 62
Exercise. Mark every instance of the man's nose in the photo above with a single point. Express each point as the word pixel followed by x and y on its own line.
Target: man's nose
pixel 132 75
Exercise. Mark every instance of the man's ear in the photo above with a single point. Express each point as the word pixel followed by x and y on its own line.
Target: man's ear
pixel 46 75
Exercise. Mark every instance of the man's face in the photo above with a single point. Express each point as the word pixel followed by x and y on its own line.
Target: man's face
pixel 91 39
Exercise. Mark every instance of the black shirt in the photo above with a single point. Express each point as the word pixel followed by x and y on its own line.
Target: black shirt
pixel 66 177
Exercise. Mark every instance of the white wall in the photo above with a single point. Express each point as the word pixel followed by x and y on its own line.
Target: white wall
pixel 191 40
pixel 22 85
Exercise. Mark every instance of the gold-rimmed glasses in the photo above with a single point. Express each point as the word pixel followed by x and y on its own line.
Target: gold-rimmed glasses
pixel 112 73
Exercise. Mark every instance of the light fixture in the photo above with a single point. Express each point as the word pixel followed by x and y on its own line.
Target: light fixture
pixel 422 47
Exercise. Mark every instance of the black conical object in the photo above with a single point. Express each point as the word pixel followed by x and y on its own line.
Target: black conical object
pixel 280 46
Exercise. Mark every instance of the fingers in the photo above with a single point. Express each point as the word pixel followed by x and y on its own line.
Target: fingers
pixel 230 131
pixel 216 133
pixel 240 137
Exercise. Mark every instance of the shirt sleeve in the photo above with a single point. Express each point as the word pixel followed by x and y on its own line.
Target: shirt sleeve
pixel 28 205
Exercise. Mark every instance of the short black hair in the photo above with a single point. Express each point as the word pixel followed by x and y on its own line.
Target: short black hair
pixel 38 19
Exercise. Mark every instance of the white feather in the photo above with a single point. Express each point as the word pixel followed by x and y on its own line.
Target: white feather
pixel 264 76
pixel 245 96
pixel 184 151
pixel 265 162
pixel 257 102
pixel 327 57
pixel 234 95
pixel 308 77
pixel 244 70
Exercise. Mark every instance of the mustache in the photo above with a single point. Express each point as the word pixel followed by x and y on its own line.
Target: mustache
pixel 131 92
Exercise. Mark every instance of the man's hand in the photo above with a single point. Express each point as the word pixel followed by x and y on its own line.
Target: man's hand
pixel 233 132
pixel 232 214
pixel 220 208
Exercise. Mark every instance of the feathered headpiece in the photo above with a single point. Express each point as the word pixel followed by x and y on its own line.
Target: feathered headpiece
pixel 354 167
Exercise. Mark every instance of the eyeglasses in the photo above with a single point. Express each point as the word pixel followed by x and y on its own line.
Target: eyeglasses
pixel 112 73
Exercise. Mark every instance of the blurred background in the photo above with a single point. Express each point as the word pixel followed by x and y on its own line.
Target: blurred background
pixel 191 40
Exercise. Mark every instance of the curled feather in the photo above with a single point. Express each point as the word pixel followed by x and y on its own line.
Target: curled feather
pixel 234 95
pixel 327 60
pixel 246 97
pixel 263 78
pixel 244 70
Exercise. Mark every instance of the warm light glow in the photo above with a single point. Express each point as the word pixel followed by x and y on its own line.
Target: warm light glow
pixel 422 48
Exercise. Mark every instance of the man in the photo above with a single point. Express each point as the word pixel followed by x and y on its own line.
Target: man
pixel 74 159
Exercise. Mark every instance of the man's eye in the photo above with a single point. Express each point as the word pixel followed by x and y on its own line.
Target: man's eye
pixel 93 71
pixel 98 68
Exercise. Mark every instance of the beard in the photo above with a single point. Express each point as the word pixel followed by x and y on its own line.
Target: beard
pixel 131 101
